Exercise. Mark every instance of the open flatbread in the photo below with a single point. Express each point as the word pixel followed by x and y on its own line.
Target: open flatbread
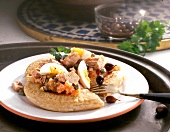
pixel 86 100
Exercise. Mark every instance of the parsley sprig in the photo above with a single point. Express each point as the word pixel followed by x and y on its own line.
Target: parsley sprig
pixel 150 32
pixel 60 53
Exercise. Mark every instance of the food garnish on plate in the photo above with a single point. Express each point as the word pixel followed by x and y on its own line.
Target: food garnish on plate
pixel 62 82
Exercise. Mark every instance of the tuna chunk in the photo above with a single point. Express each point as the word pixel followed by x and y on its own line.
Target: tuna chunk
pixel 17 85
pixel 95 62
pixel 36 73
pixel 70 60
pixel 72 77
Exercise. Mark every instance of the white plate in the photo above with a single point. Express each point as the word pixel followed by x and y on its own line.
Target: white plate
pixel 20 105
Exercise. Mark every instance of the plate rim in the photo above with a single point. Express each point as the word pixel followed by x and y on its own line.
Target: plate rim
pixel 71 121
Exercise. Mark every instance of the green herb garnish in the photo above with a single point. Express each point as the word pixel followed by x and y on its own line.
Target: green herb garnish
pixel 63 49
pixel 57 53
pixel 149 32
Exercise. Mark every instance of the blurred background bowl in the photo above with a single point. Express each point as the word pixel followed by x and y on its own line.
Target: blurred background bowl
pixel 118 20
pixel 80 10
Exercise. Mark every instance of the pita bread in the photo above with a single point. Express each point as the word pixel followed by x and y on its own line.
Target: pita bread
pixel 86 100
pixel 63 103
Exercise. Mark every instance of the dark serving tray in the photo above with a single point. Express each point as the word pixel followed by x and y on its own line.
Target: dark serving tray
pixel 141 119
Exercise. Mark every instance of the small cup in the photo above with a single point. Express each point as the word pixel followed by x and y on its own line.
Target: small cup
pixel 117 20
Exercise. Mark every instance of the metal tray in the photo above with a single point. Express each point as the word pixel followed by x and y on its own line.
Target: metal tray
pixel 141 119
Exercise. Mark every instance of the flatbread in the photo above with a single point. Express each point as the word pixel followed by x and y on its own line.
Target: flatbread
pixel 63 103
pixel 86 100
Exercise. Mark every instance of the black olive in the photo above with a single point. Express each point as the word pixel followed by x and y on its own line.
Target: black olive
pixel 123 27
pixel 115 26
pixel 99 80
pixel 110 99
pixel 109 66
pixel 161 110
